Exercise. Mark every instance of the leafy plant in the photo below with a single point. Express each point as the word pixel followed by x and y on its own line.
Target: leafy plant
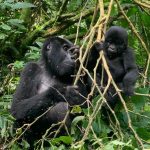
pixel 23 27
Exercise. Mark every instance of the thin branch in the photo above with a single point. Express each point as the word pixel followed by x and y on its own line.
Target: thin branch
pixel 69 22
pixel 132 26
pixel 142 4
pixel 61 10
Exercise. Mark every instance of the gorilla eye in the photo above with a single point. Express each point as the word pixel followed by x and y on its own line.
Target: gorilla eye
pixel 49 47
pixel 108 41
pixel 65 47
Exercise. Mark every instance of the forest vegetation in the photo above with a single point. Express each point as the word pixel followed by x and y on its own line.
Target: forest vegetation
pixel 24 25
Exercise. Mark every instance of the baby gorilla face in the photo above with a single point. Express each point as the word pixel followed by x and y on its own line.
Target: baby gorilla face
pixel 116 41
pixel 60 56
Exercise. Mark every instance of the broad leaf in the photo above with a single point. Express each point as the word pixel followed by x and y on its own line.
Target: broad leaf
pixel 20 5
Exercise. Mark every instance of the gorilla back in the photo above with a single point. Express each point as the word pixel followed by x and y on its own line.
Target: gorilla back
pixel 48 83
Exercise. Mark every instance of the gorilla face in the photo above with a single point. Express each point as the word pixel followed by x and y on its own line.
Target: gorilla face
pixel 116 41
pixel 60 55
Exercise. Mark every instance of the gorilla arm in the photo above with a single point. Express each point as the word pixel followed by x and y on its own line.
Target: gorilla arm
pixel 94 55
pixel 131 72
pixel 27 103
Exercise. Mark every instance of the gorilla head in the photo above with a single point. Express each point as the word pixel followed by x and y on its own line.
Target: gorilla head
pixel 116 41
pixel 59 56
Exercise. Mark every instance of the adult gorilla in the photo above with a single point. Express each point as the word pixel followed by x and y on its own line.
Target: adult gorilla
pixel 48 83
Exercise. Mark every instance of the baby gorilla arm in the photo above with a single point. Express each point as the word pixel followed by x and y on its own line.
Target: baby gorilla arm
pixel 94 55
pixel 131 72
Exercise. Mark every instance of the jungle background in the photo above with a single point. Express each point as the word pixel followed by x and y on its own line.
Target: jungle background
pixel 24 25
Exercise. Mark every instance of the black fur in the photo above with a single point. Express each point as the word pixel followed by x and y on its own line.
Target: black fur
pixel 120 60
pixel 47 83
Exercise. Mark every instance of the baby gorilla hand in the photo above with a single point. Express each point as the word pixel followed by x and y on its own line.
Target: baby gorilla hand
pixel 73 95
pixel 98 46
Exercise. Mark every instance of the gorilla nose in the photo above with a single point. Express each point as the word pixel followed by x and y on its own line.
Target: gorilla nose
pixel 112 49
pixel 112 46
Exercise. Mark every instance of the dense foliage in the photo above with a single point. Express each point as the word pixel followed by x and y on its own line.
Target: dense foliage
pixel 23 27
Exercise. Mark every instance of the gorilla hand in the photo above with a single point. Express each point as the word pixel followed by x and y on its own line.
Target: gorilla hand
pixel 73 95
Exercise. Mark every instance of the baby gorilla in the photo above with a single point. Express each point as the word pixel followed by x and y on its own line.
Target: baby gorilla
pixel 120 60
pixel 48 83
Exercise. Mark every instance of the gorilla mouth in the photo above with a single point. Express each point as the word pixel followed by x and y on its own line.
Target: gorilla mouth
pixel 68 64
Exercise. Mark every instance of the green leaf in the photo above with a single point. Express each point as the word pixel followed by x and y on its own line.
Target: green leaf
pixel 5 4
pixel 15 21
pixel 20 5
pixel 76 109
pixel 132 11
pixel 9 1
pixel 3 132
pixel 116 142
pixel 40 44
pixel 66 139
pixel 2 36
pixel 145 19
pixel 33 48
pixel 144 133
pixel 5 27
pixel 74 123
pixel 147 108
pixel 139 100
pixel 18 64
pixel 77 119
pixel 15 147
pixel 25 144
pixel 109 147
